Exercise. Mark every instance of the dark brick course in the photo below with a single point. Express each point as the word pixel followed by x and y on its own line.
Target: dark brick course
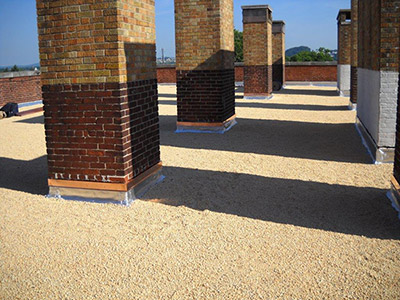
pixel 102 132
pixel 258 80
pixel 205 95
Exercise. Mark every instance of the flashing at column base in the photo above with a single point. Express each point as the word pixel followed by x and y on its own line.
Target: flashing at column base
pixel 378 154
pixel 203 127
pixel 99 192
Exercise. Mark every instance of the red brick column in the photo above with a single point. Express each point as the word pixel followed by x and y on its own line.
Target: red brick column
pixel 100 97
pixel 278 54
pixel 344 52
pixel 205 65
pixel 354 53
pixel 257 51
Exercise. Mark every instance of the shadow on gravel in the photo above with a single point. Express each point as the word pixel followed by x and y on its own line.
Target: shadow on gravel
pixel 28 176
pixel 337 208
pixel 33 120
pixel 306 92
pixel 318 141
pixel 167 96
pixel 268 105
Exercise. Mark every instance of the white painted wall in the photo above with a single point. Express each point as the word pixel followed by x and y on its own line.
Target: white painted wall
pixel 343 79
pixel 377 104
pixel 388 108
pixel 368 88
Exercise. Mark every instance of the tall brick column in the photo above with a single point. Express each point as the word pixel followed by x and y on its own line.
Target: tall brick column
pixel 344 52
pixel 205 65
pixel 100 97
pixel 257 51
pixel 354 54
pixel 278 54
pixel 378 75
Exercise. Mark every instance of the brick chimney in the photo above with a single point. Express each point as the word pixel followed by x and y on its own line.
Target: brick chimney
pixel 344 52
pixel 257 51
pixel 100 98
pixel 278 54
pixel 205 65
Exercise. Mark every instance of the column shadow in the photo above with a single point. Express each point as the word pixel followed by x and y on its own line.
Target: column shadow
pixel 29 176
pixel 317 141
pixel 307 92
pixel 331 207
pixel 267 105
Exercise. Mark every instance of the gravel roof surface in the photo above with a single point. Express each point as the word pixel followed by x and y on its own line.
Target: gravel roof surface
pixel 286 205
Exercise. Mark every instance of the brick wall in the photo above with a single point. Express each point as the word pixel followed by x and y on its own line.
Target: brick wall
pixel 311 72
pixel 166 74
pixel 293 72
pixel 20 89
pixel 99 89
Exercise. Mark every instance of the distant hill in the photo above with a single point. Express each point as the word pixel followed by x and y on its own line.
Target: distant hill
pixel 295 50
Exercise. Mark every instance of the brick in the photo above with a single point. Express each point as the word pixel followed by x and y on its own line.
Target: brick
pixel 278 54
pixel 20 89
pixel 344 20
pixel 100 125
pixel 204 60
pixel 257 50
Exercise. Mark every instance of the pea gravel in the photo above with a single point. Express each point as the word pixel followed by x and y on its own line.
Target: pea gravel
pixel 286 205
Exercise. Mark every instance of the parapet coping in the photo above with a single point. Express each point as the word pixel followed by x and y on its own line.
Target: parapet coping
pixel 256 7
pixel 344 11
pixel 288 63
pixel 19 74
pixel 311 63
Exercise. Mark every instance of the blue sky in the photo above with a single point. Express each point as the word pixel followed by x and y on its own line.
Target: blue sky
pixel 308 23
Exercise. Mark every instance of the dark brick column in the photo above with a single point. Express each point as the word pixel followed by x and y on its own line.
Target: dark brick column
pixel 378 75
pixel 278 54
pixel 205 65
pixel 257 51
pixel 344 52
pixel 100 98
pixel 354 54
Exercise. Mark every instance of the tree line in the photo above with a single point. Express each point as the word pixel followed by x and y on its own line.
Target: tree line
pixel 13 69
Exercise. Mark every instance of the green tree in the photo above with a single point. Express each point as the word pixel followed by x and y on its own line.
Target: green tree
pixel 322 54
pixel 6 70
pixel 238 45
pixel 14 68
